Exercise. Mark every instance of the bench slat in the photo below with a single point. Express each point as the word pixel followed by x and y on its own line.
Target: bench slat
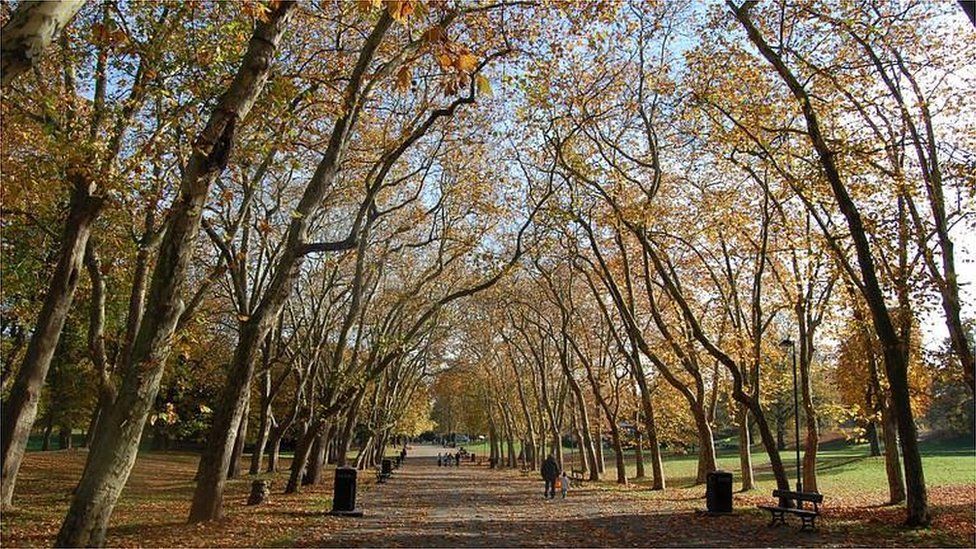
pixel 792 511
pixel 798 496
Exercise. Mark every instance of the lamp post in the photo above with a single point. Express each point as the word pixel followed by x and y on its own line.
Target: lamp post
pixel 788 343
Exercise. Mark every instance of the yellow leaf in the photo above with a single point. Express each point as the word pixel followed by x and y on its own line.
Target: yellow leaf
pixel 466 63
pixel 483 85
pixel 400 9
pixel 258 10
pixel 444 60
pixel 403 79
pixel 367 5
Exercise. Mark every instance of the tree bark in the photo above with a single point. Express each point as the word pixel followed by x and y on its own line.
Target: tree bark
pixel 274 450
pixel 208 497
pixel 706 445
pixel 657 466
pixel 48 432
pixel 590 450
pixel 345 437
pixel 303 448
pixel 601 465
pixel 117 437
pixel 871 432
pixel 234 468
pixel 896 483
pixel 316 466
pixel 618 454
pixel 781 431
pixel 64 438
pixel 20 408
pixel 745 449
pixel 639 454
pixel 264 425
pixel 29 31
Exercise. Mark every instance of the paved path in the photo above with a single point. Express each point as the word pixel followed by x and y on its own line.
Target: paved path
pixel 427 505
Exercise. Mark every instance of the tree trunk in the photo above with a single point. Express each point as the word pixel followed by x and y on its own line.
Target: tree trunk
pixel 766 436
pixel 303 448
pixel 588 443
pixel 117 438
pixel 915 492
pixel 810 413
pixel 871 432
pixel 48 431
pixel 512 462
pixel 639 454
pixel 208 498
pixel 896 483
pixel 30 30
pixel 894 347
pixel 64 438
pixel 365 454
pixel 92 424
pixel 601 465
pixel 234 468
pixel 274 450
pixel 618 451
pixel 657 467
pixel 557 447
pixel 20 408
pixel 745 449
pixel 781 431
pixel 706 446
pixel 345 437
pixel 316 466
pixel 810 454
pixel 264 428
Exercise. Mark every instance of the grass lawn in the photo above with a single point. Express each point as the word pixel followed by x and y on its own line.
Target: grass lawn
pixel 843 469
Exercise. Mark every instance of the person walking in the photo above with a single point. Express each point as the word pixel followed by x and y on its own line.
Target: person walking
pixel 564 484
pixel 550 471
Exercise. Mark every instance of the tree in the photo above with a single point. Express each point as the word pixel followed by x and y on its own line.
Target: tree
pixel 29 31
pixel 117 438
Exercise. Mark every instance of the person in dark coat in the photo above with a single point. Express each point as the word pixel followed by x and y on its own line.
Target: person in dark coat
pixel 550 472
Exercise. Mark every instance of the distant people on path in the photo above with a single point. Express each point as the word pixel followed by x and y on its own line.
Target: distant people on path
pixel 457 459
pixel 403 454
pixel 550 472
pixel 564 484
pixel 440 460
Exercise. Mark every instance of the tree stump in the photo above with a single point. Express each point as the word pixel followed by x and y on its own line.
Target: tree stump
pixel 260 490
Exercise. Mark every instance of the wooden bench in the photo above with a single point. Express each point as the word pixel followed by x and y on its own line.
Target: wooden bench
pixel 807 516
pixel 577 478
pixel 380 477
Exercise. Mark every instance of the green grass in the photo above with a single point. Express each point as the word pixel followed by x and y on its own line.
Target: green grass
pixel 841 468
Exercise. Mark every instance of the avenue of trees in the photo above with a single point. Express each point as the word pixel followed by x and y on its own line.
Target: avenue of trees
pixel 235 226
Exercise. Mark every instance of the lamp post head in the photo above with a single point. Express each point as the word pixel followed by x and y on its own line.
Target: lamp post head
pixel 786 343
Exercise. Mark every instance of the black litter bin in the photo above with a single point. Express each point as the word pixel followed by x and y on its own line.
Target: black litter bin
pixel 387 469
pixel 344 493
pixel 718 492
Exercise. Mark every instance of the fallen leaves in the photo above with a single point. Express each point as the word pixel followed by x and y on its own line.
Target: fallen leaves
pixel 424 505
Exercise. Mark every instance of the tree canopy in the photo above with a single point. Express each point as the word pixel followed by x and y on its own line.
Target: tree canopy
pixel 337 224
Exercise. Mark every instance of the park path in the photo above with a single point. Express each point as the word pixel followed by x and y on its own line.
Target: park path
pixel 427 505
